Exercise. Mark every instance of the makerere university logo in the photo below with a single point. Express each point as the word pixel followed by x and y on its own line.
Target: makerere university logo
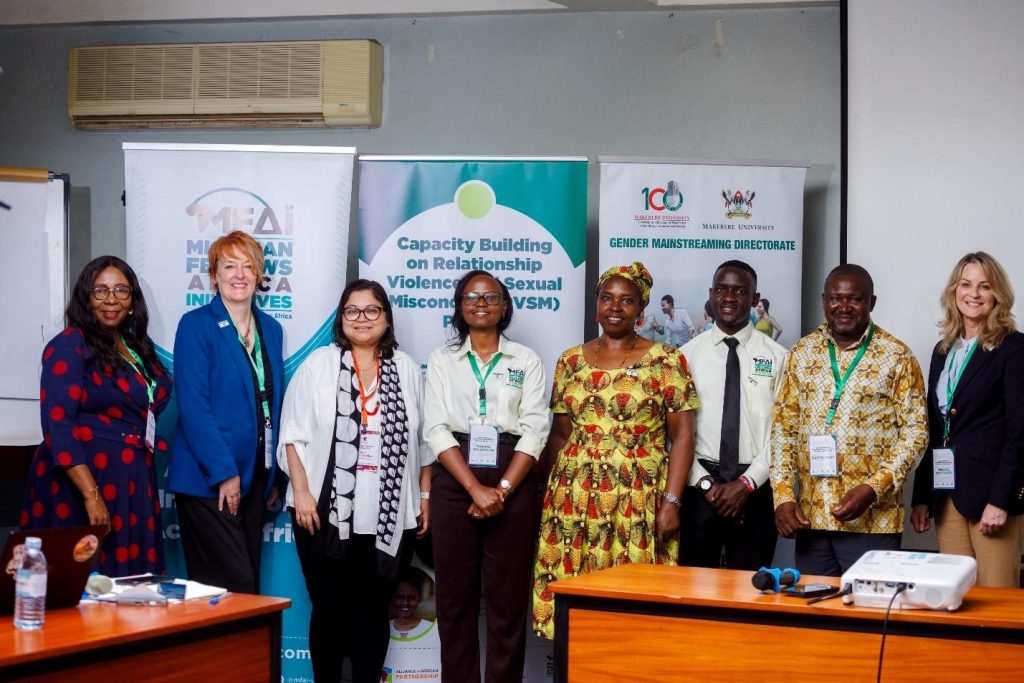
pixel 738 204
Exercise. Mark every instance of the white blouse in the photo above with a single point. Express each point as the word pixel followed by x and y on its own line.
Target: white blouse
pixel 308 416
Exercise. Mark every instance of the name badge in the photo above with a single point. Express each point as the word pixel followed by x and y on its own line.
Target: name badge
pixel 824 459
pixel 483 445
pixel 943 469
pixel 268 447
pixel 150 430
pixel 369 451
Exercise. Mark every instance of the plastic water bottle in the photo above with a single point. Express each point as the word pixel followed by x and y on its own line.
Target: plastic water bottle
pixel 30 587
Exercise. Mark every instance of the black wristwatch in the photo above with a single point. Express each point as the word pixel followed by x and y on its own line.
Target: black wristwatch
pixel 705 483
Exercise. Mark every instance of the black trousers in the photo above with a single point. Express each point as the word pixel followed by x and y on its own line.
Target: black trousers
pixel 349 600
pixel 222 549
pixel 494 554
pixel 709 540
pixel 831 553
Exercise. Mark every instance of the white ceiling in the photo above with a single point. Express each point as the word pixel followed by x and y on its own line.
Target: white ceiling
pixel 38 12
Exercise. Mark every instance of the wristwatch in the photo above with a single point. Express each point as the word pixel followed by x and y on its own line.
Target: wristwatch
pixel 505 486
pixel 705 483
pixel 672 498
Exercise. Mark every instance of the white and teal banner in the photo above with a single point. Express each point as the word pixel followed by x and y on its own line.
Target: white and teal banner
pixel 296 202
pixel 682 220
pixel 424 222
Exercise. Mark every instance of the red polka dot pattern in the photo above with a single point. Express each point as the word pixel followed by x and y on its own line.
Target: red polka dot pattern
pixel 79 427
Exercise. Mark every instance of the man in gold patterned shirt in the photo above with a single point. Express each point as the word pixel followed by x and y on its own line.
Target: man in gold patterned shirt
pixel 850 424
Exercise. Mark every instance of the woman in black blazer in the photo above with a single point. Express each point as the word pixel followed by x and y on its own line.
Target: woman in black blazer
pixel 972 476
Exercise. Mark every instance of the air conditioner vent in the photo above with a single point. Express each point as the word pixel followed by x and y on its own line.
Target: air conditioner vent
pixel 217 85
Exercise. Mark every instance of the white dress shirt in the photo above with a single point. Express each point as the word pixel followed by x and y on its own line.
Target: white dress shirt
pixel 516 396
pixel 762 362
pixel 308 418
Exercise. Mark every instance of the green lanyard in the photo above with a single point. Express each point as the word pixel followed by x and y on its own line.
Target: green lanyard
pixel 256 360
pixel 841 381
pixel 951 384
pixel 140 368
pixel 481 379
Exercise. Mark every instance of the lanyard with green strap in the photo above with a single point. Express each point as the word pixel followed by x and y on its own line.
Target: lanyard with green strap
pixel 951 384
pixel 256 360
pixel 483 378
pixel 140 369
pixel 841 381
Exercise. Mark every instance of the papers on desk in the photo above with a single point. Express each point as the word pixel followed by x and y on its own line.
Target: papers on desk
pixel 193 589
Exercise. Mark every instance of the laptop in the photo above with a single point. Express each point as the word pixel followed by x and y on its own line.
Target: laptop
pixel 72 553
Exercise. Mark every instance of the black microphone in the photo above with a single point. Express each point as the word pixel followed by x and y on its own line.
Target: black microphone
pixel 773 579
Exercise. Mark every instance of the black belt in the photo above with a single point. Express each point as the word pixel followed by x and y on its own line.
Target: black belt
pixel 712 468
pixel 504 438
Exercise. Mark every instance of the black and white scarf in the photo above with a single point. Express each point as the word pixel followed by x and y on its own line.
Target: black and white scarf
pixel 393 455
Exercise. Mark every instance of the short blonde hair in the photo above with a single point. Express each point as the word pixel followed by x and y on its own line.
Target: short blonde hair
pixel 241 242
pixel 1000 322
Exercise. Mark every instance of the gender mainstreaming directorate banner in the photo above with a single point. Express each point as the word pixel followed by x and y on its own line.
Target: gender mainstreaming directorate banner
pixel 296 202
pixel 423 223
pixel 682 220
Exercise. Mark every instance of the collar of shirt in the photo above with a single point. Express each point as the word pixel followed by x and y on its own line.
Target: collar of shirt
pixel 827 334
pixel 505 348
pixel 743 336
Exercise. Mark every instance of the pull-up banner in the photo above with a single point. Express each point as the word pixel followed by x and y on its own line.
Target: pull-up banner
pixel 295 201
pixel 684 219
pixel 425 221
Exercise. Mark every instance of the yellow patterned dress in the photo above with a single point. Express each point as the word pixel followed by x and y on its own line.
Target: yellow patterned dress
pixel 601 497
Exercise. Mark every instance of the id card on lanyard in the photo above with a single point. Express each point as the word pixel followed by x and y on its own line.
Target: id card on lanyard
pixel 943 459
pixel 140 370
pixel 483 436
pixel 822 450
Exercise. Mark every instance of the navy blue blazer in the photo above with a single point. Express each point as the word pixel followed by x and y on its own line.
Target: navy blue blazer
pixel 986 432
pixel 216 435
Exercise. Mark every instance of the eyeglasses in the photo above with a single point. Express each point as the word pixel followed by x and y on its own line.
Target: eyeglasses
pixel 489 298
pixel 102 292
pixel 352 313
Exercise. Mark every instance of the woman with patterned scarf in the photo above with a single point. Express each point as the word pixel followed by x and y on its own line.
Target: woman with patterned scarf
pixel 359 482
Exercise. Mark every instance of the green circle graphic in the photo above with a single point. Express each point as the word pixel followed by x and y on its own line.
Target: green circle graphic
pixel 474 198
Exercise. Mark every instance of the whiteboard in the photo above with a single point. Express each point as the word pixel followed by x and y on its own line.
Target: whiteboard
pixel 34 261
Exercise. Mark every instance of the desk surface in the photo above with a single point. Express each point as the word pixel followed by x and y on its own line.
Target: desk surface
pixel 94 626
pixel 731 589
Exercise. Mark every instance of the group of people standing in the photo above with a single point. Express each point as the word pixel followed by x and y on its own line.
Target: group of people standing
pixel 632 467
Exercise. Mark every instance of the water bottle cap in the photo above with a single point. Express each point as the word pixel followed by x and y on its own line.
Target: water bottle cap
pixel 33 542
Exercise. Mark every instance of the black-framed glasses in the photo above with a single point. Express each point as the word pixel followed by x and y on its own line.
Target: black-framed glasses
pixel 489 298
pixel 352 313
pixel 102 292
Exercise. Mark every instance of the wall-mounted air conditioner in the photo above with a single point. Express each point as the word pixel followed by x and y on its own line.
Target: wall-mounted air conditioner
pixel 328 83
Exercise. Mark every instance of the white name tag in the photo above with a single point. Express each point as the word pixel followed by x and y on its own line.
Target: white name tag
pixel 943 469
pixel 268 447
pixel 824 460
pixel 369 451
pixel 150 430
pixel 483 445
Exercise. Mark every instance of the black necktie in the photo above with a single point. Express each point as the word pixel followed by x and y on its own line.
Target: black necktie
pixel 729 448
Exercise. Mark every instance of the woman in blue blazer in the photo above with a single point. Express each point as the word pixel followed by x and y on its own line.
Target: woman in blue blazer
pixel 229 380
pixel 972 476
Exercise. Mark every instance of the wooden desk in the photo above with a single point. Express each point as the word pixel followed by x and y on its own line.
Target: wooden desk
pixel 655 623
pixel 237 639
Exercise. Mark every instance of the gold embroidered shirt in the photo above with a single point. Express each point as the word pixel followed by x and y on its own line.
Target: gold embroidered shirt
pixel 880 427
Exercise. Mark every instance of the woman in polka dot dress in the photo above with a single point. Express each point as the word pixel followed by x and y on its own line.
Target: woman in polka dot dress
pixel 101 381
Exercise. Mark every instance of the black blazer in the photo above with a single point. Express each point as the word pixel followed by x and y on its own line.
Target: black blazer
pixel 986 431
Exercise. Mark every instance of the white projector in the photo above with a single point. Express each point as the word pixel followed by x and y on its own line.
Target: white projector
pixel 933 580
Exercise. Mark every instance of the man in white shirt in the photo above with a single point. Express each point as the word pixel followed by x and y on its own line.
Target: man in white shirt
pixel 728 518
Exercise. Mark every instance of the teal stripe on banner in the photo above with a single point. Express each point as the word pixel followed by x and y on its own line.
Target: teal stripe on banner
pixel 322 337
